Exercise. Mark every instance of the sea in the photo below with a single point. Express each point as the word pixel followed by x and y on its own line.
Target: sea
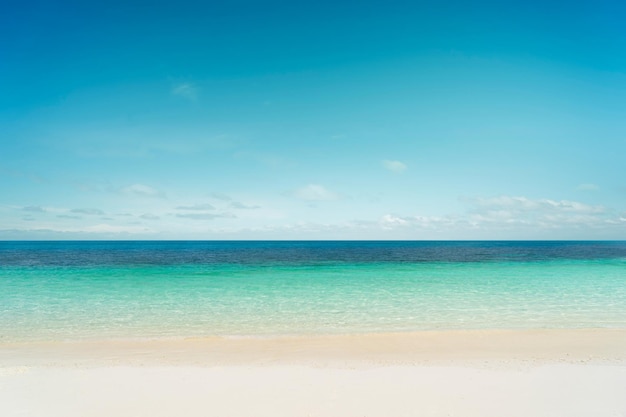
pixel 75 290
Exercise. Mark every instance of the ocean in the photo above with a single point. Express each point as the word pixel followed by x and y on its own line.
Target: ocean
pixel 152 289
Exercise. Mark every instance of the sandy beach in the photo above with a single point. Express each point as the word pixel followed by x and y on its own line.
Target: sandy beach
pixel 447 373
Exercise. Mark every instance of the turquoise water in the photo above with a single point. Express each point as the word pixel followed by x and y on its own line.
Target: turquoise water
pixel 69 299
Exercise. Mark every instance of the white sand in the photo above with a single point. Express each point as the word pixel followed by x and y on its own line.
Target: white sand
pixel 497 373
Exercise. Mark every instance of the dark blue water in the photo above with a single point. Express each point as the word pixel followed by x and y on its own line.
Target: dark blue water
pixel 101 253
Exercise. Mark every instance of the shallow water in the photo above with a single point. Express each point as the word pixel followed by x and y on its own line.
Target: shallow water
pixel 75 290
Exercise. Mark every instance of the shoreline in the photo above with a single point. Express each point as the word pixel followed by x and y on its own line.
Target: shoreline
pixel 538 346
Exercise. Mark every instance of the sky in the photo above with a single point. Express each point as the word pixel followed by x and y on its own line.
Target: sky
pixel 253 119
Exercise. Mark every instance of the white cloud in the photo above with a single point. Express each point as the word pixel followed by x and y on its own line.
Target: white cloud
pixel 205 216
pixel 510 217
pixel 67 216
pixel 394 166
pixel 88 211
pixel 315 192
pixel 141 190
pixel 197 207
pixel 34 209
pixel 238 205
pixel 389 221
pixel 524 204
pixel 185 90
pixel 537 217
pixel 499 217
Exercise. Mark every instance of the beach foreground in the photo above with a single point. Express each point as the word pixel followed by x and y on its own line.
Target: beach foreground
pixel 451 373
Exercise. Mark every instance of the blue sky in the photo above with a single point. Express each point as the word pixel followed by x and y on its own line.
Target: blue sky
pixel 312 120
